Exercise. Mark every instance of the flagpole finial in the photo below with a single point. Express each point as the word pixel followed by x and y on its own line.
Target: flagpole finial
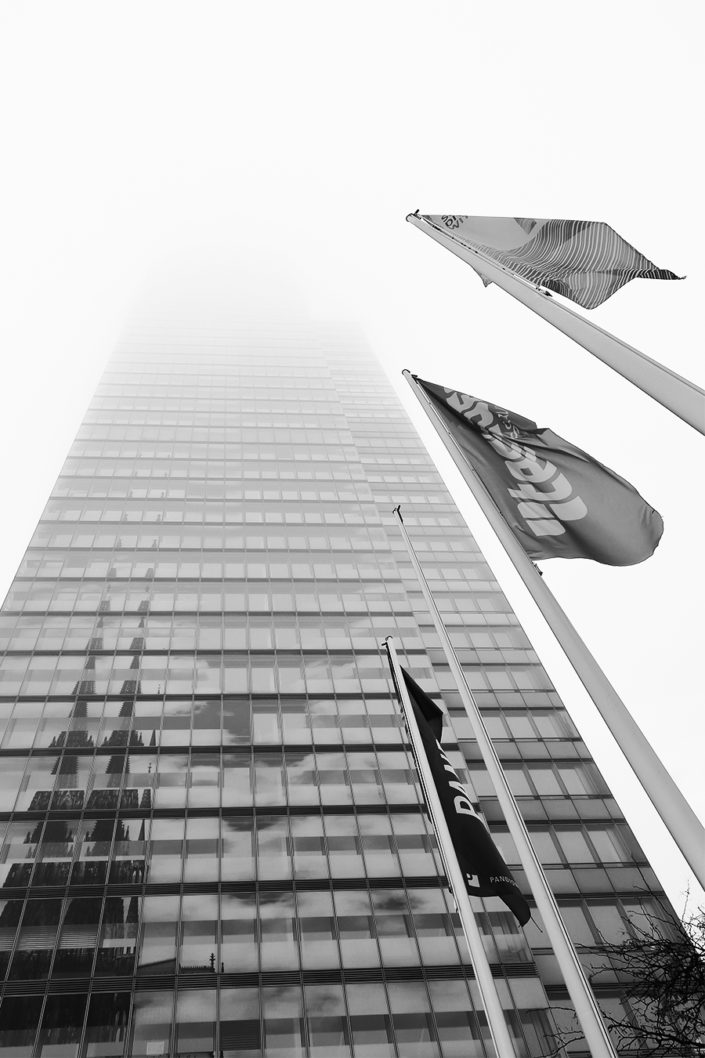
pixel 397 511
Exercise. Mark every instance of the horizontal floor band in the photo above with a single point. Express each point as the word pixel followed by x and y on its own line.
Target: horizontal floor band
pixel 199 812
pixel 267 885
pixel 243 749
pixel 204 978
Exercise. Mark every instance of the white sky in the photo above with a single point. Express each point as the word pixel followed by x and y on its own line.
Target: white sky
pixel 173 141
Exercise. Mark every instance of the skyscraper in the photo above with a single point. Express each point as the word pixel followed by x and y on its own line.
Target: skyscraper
pixel 213 837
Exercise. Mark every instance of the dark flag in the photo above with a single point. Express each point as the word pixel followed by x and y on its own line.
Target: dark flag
pixel 584 260
pixel 480 860
pixel 558 501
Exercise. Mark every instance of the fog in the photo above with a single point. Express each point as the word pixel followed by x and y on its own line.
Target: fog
pixel 217 160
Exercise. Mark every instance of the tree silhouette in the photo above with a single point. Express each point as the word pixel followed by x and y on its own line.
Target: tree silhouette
pixel 660 965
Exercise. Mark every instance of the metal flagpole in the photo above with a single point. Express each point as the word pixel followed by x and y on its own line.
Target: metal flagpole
pixel 678 394
pixel 680 819
pixel 581 995
pixel 496 1018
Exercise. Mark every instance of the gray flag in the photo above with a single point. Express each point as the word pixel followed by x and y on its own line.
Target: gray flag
pixel 584 260
pixel 558 501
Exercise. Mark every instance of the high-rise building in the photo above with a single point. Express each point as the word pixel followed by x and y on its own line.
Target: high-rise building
pixel 213 840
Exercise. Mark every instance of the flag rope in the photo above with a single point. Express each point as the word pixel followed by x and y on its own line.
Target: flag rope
pixel 579 990
pixel 677 815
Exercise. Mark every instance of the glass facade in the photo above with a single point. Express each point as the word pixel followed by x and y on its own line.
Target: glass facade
pixel 212 837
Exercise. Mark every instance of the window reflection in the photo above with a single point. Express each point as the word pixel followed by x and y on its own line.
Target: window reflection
pixel 282 1012
pixel 198 951
pixel 459 1029
pixel 411 1017
pixel 106 1024
pixel 36 939
pixel 158 918
pixel 166 850
pixel 196 1022
pixel 240 1029
pixel 61 1027
pixel 239 933
pixel 370 1021
pixel 278 931
pixel 118 936
pixel 273 859
pixel 152 1018
pixel 202 849
pixel 19 1017
pixel 78 937
pixel 237 848
pixel 327 1023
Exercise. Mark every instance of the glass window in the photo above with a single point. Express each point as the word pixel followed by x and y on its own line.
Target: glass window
pixel 282 1011
pixel 236 722
pixel 239 934
pixel 196 1021
pixel 160 915
pixel 580 779
pixel 19 1017
pixel 411 1017
pixel 78 938
pixel 198 951
pixel 62 1025
pixel 459 1029
pixel 370 1022
pixel 36 939
pixel 326 1021
pixel 240 1031
pixel 118 936
pixel 545 846
pixel 609 845
pixel 516 777
pixel 278 931
pixel 153 1016
pixel 106 1024
pixel 577 924
pixel 238 861
pixel 575 846
pixel 545 780
pixel 610 924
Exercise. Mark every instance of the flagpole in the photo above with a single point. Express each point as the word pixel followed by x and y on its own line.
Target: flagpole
pixel 678 394
pixel 489 996
pixel 581 995
pixel 680 819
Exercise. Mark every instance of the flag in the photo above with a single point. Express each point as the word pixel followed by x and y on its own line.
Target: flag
pixel 480 860
pixel 584 260
pixel 558 501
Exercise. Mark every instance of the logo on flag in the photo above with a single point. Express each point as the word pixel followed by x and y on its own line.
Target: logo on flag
pixel 486 873
pixel 558 501
pixel 584 260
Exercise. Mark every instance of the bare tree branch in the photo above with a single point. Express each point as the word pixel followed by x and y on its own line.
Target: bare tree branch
pixel 659 969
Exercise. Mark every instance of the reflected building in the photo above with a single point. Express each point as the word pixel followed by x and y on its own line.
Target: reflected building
pixel 213 839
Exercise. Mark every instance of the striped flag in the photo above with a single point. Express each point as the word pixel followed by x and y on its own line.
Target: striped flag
pixel 584 260
pixel 485 872
pixel 558 501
